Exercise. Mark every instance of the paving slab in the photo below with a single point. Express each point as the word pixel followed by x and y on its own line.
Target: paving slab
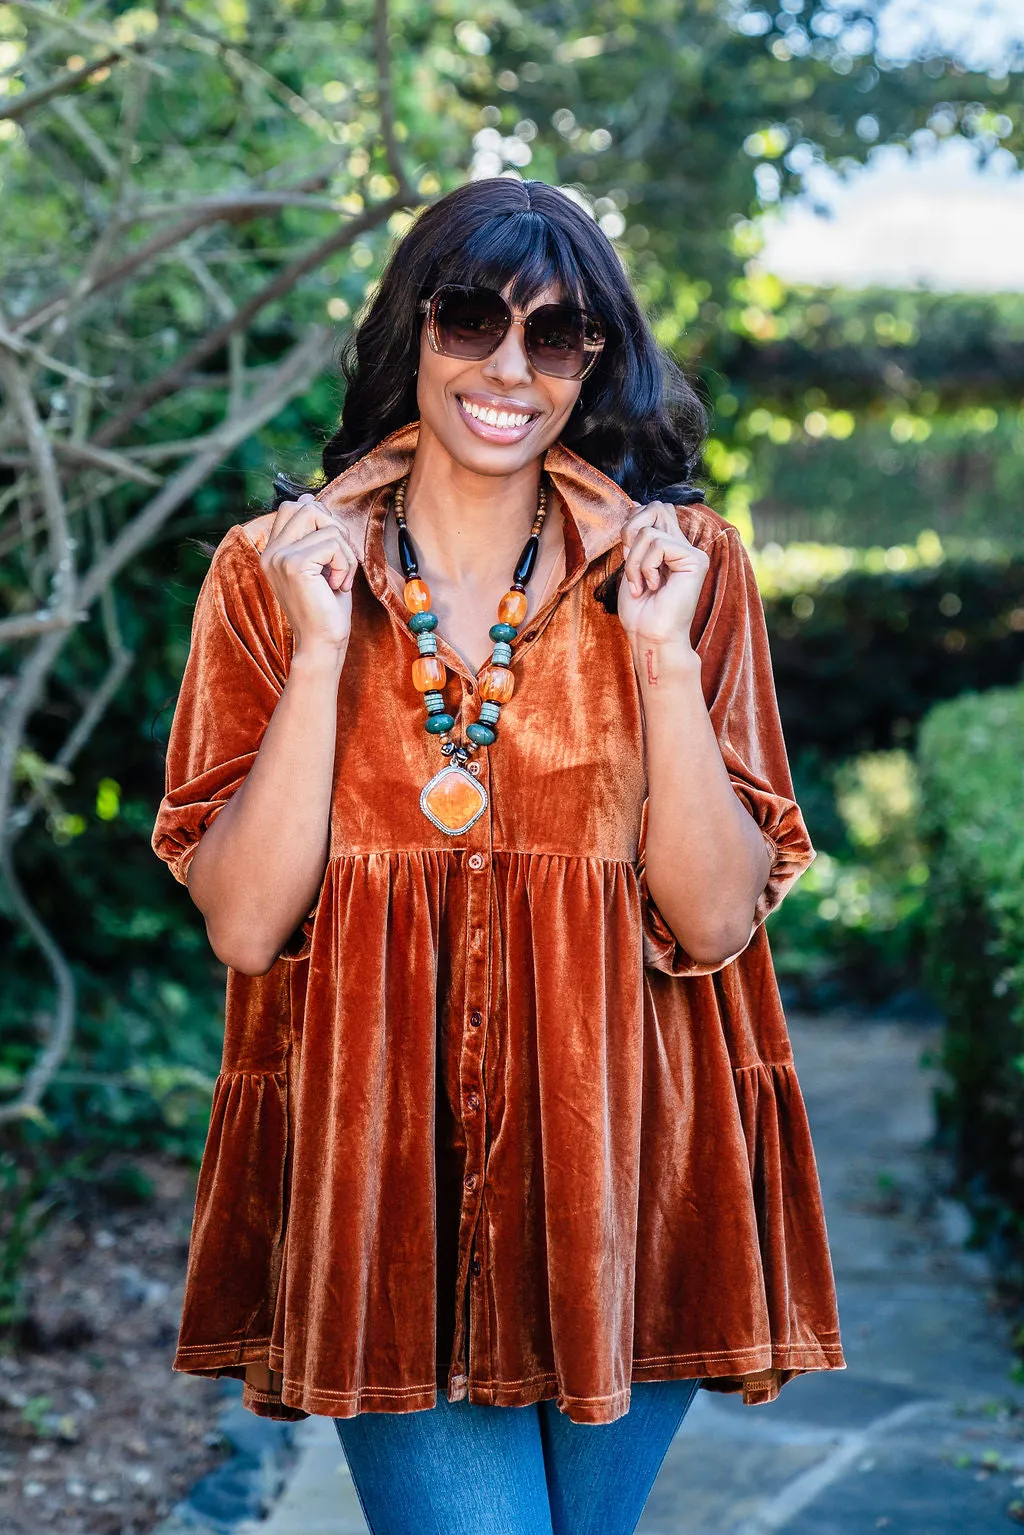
pixel 922 1434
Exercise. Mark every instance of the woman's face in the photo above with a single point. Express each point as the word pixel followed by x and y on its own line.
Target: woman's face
pixel 505 381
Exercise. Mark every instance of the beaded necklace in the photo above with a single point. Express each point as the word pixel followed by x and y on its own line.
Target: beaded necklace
pixel 454 799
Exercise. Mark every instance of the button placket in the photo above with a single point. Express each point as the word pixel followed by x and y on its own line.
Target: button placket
pixel 470 1354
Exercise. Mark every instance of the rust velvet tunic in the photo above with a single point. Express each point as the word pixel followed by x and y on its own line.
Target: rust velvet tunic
pixel 484 1128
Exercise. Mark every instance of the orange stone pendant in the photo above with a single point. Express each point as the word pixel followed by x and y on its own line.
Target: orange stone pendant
pixel 453 799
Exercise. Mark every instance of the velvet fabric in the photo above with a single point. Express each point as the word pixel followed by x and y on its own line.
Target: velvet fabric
pixel 484 1127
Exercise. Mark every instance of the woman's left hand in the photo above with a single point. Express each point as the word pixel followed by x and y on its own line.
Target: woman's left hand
pixel 662 577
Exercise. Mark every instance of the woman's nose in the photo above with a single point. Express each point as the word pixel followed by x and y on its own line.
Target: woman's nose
pixel 509 361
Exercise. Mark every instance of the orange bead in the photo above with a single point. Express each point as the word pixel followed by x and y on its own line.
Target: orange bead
pixel 417 595
pixel 427 673
pixel 497 684
pixel 512 608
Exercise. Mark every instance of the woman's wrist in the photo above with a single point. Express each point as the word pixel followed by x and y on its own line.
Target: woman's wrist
pixel 658 663
pixel 319 659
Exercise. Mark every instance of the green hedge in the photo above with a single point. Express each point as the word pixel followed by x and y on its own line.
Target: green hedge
pixel 861 659
pixel 971 759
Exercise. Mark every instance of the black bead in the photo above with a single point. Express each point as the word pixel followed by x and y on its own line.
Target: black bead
pixel 407 554
pixel 526 561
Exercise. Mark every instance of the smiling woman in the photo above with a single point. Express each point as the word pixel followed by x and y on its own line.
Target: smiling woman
pixel 507 1115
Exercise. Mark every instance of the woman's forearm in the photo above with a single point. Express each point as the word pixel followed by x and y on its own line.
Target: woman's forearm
pixel 261 862
pixel 707 862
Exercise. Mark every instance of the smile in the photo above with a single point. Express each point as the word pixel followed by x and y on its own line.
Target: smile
pixel 497 425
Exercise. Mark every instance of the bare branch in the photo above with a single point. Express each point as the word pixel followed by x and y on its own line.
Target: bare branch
pixel 166 382
pixel 37 1079
pixel 46 360
pixel 63 23
pixel 61 545
pixel 385 98
pixel 266 202
pixel 227 210
pixel 28 625
pixel 97 707
pixel 16 107
pixel 98 458
pixel 293 374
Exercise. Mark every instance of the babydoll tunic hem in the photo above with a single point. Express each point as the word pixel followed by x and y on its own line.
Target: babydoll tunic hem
pixel 735 1371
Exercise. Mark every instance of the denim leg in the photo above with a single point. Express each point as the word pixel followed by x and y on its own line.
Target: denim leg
pixel 601 1474
pixel 455 1469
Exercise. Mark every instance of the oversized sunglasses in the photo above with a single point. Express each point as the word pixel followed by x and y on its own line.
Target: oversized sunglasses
pixel 561 340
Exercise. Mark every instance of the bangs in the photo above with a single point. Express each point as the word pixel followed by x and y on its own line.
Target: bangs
pixel 522 248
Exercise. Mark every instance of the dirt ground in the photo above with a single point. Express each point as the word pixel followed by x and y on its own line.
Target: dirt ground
pixel 98 1436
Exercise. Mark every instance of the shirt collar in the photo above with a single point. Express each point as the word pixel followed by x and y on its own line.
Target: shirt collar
pixel 596 508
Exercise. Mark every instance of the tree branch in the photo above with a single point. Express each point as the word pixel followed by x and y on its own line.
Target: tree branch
pixel 61 543
pixel 382 48
pixel 14 108
pixel 225 210
pixel 166 382
pixel 39 1075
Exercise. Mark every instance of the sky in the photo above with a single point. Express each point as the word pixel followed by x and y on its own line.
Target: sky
pixel 927 217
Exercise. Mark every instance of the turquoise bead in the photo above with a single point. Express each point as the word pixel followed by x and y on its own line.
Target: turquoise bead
pixel 481 735
pixel 437 724
pixel 422 623
pixel 505 632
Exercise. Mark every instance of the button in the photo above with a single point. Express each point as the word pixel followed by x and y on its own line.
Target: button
pixel 474 768
pixel 472 1100
pixel 475 1267
pixel 470 1180
pixel 531 635
pixel 476 860
pixel 476 1018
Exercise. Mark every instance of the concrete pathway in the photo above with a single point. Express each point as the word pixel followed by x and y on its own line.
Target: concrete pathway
pixel 923 1434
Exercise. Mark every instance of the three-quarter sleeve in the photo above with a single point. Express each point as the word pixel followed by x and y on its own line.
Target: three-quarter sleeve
pixel 731 637
pixel 234 676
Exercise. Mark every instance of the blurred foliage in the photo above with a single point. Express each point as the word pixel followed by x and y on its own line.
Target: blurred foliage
pixel 971 755
pixel 860 658
pixel 852 928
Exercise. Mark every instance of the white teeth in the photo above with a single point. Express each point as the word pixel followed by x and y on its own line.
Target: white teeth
pixel 504 418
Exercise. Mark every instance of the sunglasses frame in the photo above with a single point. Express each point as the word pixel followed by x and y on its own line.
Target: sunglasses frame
pixel 429 306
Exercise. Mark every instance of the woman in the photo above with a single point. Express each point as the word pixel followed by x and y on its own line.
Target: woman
pixel 477 778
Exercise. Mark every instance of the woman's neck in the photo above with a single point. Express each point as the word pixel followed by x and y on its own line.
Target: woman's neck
pixel 468 529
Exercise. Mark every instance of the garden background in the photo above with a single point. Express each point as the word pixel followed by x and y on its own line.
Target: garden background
pixel 195 199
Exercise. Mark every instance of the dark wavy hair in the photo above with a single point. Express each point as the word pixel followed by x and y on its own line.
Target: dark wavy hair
pixel 638 419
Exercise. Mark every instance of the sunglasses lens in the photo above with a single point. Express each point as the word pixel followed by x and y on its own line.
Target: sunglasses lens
pixel 554 340
pixel 470 322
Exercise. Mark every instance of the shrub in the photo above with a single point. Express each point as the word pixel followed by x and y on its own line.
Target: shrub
pixel 971 754
pixel 851 929
pixel 861 657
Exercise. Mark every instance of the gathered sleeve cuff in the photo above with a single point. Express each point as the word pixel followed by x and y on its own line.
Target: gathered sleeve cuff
pixel 234 676
pixel 730 635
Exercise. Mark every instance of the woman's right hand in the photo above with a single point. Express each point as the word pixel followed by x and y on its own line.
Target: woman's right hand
pixel 311 566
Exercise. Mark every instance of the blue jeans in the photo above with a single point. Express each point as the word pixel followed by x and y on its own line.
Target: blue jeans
pixel 464 1469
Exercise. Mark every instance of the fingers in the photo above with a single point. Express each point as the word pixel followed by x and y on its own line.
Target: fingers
pixel 294 518
pixel 643 560
pixel 323 547
pixel 652 538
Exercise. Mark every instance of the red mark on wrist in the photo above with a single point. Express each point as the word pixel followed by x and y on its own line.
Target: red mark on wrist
pixel 652 675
